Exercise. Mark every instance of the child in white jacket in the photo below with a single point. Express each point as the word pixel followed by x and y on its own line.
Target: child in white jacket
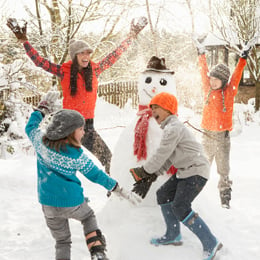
pixel 178 147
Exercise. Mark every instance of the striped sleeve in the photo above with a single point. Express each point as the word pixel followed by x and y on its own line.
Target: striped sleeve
pixel 111 58
pixel 41 62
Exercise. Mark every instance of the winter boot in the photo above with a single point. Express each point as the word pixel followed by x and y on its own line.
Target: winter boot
pixel 98 256
pixel 172 235
pixel 225 197
pixel 98 251
pixel 210 244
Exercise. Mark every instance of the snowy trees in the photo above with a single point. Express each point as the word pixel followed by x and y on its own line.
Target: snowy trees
pixel 54 23
pixel 13 111
pixel 238 21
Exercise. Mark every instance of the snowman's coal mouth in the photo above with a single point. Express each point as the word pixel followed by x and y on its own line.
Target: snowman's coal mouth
pixel 147 93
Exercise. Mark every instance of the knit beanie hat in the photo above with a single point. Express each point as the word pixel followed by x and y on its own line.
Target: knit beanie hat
pixel 77 46
pixel 167 101
pixel 63 123
pixel 220 71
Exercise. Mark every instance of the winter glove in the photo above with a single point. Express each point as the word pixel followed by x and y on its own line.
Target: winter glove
pixel 142 187
pixel 48 103
pixel 248 46
pixel 139 173
pixel 138 26
pixel 128 195
pixel 19 31
pixel 198 41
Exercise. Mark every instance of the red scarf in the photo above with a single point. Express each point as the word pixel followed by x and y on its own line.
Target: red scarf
pixel 141 130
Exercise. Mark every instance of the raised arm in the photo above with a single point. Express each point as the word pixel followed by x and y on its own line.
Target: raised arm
pixel 111 58
pixel 41 62
pixel 20 33
pixel 203 66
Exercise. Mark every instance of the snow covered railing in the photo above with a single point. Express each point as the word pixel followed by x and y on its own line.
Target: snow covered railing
pixel 116 93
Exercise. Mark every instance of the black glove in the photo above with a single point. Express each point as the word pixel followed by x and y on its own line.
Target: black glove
pixel 139 173
pixel 248 46
pixel 142 187
pixel 136 28
pixel 19 31
pixel 245 51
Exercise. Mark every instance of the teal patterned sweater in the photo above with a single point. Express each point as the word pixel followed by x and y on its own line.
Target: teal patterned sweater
pixel 58 185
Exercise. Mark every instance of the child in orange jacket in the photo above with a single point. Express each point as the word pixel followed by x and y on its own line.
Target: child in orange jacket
pixel 219 90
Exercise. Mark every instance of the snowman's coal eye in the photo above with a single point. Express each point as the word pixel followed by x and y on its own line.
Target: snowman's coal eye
pixel 163 82
pixel 148 80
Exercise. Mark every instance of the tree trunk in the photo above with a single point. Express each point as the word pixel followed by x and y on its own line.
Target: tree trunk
pixel 257 96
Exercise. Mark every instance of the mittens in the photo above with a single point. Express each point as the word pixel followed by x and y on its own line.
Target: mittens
pixel 48 102
pixel 128 195
pixel 199 43
pixel 138 26
pixel 142 187
pixel 247 48
pixel 18 30
pixel 139 173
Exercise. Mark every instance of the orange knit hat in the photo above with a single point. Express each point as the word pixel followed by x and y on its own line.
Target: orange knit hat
pixel 167 101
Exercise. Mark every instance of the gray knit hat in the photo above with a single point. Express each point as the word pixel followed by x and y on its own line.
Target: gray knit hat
pixel 63 123
pixel 77 46
pixel 220 71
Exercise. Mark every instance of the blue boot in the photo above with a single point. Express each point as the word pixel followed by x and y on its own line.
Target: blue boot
pixel 172 235
pixel 209 242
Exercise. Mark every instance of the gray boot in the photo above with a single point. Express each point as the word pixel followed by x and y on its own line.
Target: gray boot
pixel 172 235
pixel 209 242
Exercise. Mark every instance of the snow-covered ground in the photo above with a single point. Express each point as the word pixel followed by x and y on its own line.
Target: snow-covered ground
pixel 128 229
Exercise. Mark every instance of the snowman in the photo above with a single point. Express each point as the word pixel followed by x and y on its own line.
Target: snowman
pixel 141 138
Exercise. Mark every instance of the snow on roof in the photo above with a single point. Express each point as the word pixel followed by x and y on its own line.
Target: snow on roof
pixel 214 39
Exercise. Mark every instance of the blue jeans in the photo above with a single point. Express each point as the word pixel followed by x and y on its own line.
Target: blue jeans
pixel 181 192
pixel 57 220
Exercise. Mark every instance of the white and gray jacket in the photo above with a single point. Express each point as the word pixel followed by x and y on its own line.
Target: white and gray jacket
pixel 178 147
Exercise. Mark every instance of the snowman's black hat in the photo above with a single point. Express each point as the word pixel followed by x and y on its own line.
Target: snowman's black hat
pixel 157 64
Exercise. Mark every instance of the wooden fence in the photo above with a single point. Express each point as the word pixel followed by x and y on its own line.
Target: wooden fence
pixel 33 100
pixel 117 93
pixel 4 94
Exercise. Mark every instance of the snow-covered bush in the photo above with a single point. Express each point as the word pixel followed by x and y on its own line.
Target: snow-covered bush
pixel 14 112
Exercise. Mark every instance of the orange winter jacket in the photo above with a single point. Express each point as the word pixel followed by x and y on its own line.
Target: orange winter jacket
pixel 214 118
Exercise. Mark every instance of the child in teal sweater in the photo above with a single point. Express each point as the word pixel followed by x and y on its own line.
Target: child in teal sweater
pixel 59 157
